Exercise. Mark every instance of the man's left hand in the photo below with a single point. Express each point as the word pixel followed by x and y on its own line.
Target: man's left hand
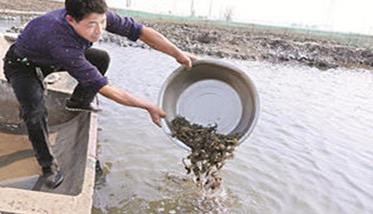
pixel 186 59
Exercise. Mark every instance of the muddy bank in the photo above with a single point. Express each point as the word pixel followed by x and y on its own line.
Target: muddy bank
pixel 256 44
pixel 30 5
pixel 246 43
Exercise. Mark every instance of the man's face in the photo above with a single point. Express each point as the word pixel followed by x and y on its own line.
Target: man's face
pixel 90 27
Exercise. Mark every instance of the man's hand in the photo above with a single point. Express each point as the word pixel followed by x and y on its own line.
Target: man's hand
pixel 186 59
pixel 156 114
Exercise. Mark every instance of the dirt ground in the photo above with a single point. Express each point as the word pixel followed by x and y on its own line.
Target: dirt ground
pixel 275 45
pixel 249 42
pixel 30 5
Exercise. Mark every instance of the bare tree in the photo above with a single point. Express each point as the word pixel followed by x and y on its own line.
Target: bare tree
pixel 228 14
pixel 192 10
pixel 128 3
pixel 210 9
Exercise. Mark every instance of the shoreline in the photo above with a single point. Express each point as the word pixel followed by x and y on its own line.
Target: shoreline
pixel 251 42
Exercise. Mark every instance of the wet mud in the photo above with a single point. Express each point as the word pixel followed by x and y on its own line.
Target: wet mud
pixel 253 43
pixel 30 5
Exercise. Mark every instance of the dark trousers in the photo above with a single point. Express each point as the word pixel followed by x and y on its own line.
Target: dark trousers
pixel 101 60
pixel 29 90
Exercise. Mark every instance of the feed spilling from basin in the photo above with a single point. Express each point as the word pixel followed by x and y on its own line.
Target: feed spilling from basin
pixel 209 151
pixel 211 109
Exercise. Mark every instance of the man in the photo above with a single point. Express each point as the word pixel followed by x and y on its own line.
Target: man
pixel 62 40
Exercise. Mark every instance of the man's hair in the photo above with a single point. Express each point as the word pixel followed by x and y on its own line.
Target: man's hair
pixel 79 9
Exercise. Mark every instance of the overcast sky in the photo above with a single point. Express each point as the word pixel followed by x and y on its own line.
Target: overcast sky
pixel 335 15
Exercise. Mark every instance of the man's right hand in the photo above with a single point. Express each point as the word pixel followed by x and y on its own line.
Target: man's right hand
pixel 156 114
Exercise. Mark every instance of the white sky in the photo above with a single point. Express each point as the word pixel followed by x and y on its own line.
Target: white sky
pixel 335 15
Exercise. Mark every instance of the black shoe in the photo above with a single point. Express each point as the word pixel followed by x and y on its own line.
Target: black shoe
pixel 53 176
pixel 99 170
pixel 75 106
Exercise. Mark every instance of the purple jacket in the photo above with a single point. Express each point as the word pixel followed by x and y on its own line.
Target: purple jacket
pixel 50 41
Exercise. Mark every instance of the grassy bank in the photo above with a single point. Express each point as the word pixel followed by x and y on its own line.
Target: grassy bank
pixel 350 39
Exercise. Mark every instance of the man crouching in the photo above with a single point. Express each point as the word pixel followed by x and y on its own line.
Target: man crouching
pixel 61 41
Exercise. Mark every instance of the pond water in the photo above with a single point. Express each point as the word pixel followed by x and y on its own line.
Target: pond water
pixel 7 24
pixel 311 151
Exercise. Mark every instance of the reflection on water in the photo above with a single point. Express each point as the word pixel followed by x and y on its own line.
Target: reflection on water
pixel 311 151
pixel 7 24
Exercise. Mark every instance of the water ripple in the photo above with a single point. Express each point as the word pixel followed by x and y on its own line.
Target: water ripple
pixel 311 151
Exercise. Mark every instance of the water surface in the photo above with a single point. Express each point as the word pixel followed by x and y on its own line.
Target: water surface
pixel 311 151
